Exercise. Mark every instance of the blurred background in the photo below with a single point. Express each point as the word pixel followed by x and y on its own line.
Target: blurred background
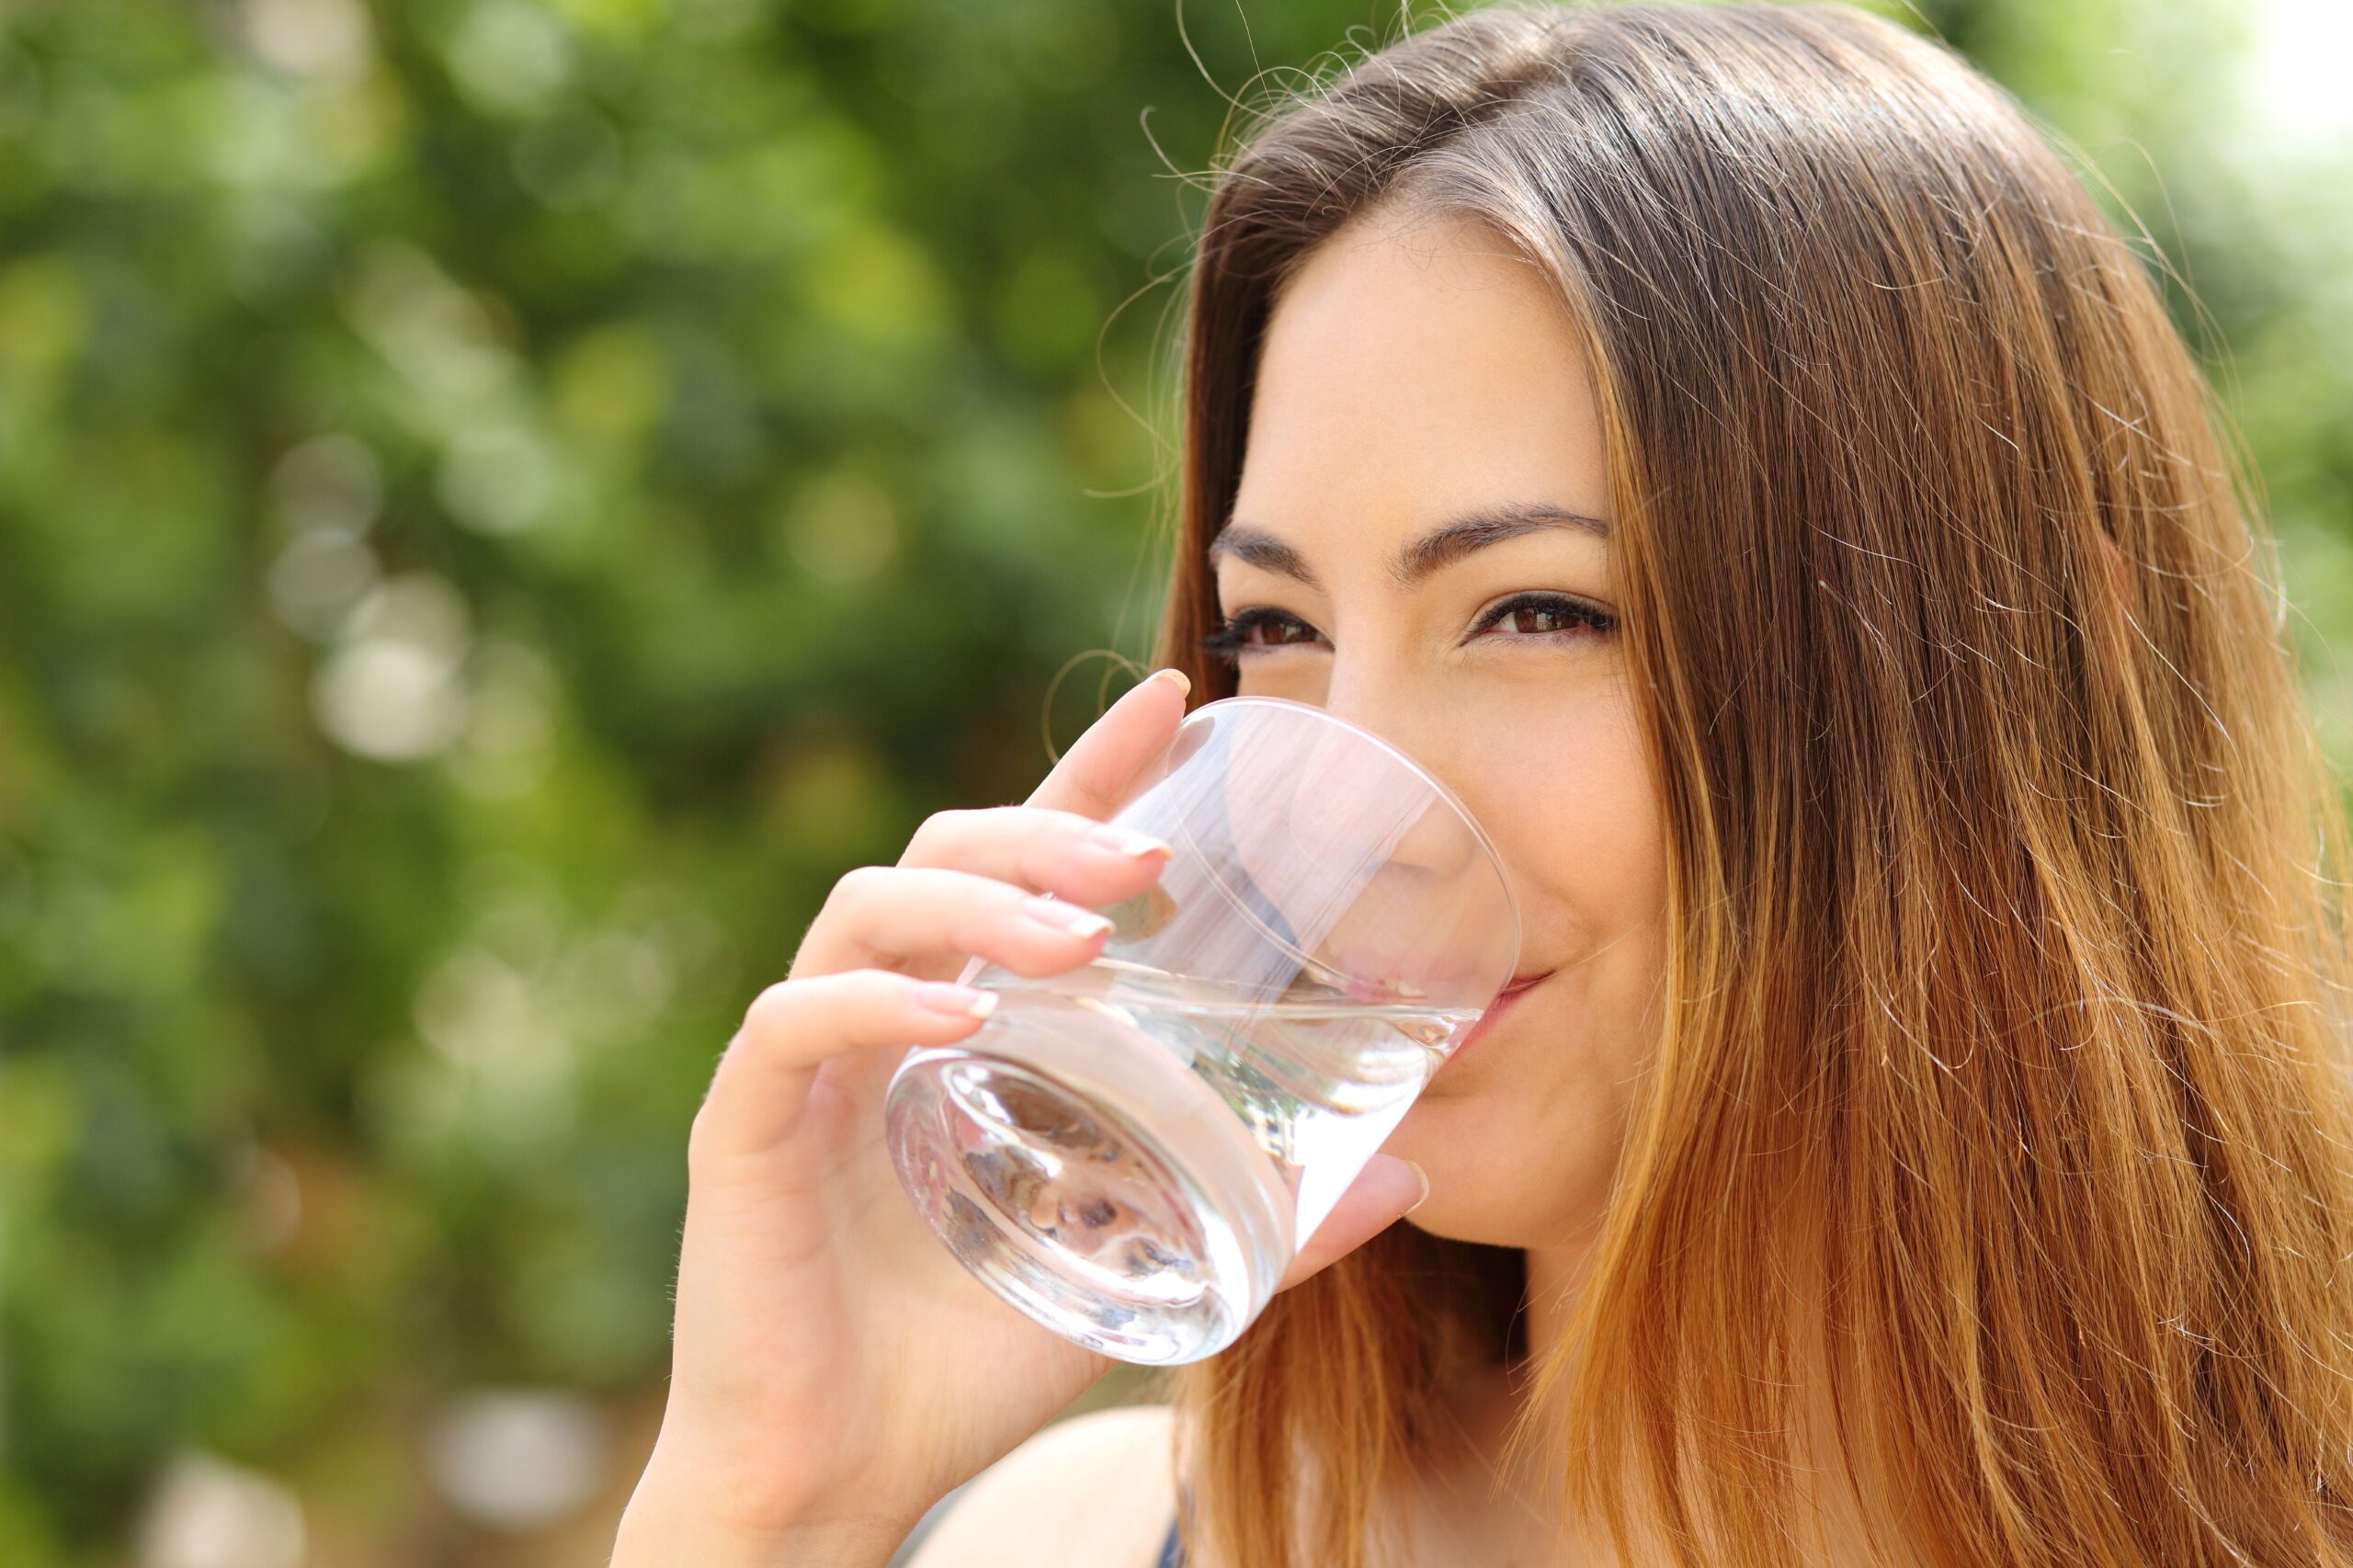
pixel 503 501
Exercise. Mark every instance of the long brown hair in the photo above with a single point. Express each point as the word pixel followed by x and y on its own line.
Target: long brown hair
pixel 2007 1020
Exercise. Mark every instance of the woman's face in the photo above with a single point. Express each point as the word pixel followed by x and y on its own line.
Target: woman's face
pixel 1411 377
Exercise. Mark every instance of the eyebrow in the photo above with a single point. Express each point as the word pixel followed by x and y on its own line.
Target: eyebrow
pixel 1439 548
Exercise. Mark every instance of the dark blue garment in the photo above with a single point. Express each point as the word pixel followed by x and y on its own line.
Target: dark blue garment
pixel 1172 1550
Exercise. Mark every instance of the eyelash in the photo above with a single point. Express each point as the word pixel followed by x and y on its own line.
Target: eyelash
pixel 1229 640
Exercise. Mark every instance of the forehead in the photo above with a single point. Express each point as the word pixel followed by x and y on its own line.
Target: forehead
pixel 1412 369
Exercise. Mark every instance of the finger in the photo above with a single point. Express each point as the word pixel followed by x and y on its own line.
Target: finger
pixel 1384 1191
pixel 1094 775
pixel 761 1089
pixel 1062 853
pixel 926 919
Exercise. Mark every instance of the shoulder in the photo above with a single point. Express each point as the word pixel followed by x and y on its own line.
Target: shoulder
pixel 1095 1490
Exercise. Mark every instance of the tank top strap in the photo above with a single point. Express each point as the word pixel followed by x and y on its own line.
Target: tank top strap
pixel 1172 1548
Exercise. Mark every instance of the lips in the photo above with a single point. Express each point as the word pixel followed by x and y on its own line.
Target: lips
pixel 1520 985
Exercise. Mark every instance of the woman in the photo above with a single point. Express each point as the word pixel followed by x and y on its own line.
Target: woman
pixel 1731 448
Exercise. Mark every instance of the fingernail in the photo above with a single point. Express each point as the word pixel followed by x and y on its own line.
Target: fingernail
pixel 944 996
pixel 1425 1198
pixel 1066 917
pixel 1175 677
pixel 1127 841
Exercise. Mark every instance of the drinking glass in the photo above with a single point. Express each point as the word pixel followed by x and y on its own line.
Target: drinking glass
pixel 1130 1152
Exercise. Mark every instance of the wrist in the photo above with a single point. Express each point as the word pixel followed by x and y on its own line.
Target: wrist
pixel 641 1545
pixel 659 1529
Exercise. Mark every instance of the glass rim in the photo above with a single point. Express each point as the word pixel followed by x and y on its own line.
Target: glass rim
pixel 1436 786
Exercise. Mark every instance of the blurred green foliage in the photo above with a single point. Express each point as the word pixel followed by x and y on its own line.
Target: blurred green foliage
pixel 502 501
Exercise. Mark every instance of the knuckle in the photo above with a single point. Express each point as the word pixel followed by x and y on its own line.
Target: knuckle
pixel 866 881
pixel 932 833
pixel 768 1010
pixel 699 1133
pixel 859 884
pixel 953 822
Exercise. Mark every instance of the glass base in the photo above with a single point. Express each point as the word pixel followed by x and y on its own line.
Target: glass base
pixel 1082 1172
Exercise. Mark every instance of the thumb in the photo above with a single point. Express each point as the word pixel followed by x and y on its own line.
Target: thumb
pixel 1385 1190
pixel 1102 764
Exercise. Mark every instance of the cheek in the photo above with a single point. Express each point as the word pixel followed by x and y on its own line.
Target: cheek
pixel 1520 1142
pixel 1571 800
pixel 1581 813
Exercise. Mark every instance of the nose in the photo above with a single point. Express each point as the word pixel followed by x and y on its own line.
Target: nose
pixel 1402 898
pixel 1429 842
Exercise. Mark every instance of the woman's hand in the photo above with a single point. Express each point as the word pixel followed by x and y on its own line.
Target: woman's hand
pixel 835 1370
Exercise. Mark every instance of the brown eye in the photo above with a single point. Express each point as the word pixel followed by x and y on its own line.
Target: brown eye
pixel 1278 631
pixel 1232 638
pixel 1546 616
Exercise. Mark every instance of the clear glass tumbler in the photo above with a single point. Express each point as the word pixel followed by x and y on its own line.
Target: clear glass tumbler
pixel 1131 1152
